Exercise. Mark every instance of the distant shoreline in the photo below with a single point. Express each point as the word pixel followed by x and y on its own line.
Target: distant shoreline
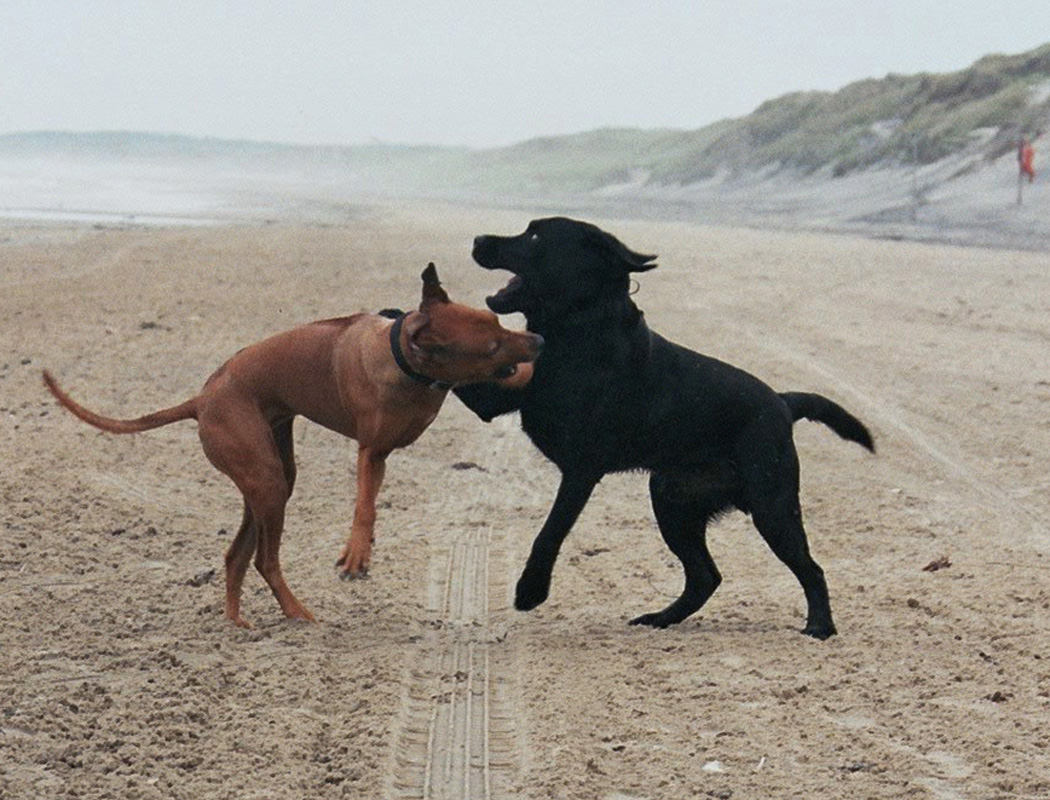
pixel 955 203
pixel 102 218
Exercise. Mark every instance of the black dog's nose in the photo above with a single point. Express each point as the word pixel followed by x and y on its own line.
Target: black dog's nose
pixel 486 251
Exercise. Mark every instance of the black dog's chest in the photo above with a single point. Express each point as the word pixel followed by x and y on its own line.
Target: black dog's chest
pixel 564 433
pixel 581 410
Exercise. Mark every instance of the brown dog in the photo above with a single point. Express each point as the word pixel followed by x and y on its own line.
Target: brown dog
pixel 379 381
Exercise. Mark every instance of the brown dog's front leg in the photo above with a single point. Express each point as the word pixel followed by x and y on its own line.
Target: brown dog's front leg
pixel 357 553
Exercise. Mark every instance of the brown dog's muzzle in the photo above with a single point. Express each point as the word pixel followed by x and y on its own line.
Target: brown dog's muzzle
pixel 533 347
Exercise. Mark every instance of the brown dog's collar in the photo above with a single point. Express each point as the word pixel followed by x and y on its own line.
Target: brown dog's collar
pixel 402 362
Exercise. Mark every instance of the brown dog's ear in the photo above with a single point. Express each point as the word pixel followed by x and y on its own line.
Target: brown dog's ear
pixel 432 291
pixel 416 325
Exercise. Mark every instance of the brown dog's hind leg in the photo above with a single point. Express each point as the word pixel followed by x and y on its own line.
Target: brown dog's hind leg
pixel 268 510
pixel 267 554
pixel 282 437
pixel 240 443
pixel 238 557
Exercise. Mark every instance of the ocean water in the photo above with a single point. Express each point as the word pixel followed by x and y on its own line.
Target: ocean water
pixel 62 190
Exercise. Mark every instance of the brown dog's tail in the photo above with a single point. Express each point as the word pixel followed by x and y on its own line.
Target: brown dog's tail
pixel 817 408
pixel 187 410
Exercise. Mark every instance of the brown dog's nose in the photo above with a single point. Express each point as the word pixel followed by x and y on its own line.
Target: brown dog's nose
pixel 537 343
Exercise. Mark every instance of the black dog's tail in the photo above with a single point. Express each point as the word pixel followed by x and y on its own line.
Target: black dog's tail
pixel 804 405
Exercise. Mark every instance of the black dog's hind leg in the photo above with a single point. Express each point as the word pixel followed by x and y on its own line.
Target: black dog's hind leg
pixel 683 517
pixel 775 511
pixel 780 524
pixel 535 582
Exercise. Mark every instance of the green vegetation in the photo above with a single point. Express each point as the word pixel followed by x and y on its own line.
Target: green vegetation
pixel 877 122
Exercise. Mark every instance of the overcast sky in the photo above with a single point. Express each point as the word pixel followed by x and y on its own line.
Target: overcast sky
pixel 463 73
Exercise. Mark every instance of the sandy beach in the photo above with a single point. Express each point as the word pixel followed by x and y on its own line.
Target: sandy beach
pixel 119 677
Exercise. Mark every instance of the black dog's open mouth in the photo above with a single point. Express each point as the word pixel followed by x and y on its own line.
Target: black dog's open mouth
pixel 510 298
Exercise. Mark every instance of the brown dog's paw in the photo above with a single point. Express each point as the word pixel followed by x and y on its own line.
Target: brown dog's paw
pixel 240 622
pixel 351 569
pixel 353 574
pixel 353 562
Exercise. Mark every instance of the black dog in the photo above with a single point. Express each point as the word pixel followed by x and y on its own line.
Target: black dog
pixel 609 395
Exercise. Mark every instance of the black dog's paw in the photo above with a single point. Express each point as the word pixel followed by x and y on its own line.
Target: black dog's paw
pixel 531 591
pixel 822 631
pixel 657 620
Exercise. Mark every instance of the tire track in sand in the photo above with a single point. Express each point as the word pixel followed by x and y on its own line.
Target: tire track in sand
pixel 458 737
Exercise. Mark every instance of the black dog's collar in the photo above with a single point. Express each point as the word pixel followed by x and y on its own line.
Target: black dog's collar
pixel 399 357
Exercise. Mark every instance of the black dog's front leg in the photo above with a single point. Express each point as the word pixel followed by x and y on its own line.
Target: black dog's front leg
pixel 535 582
pixel 489 401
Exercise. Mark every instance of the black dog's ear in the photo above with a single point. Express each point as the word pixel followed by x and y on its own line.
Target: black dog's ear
pixel 640 262
pixel 620 255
